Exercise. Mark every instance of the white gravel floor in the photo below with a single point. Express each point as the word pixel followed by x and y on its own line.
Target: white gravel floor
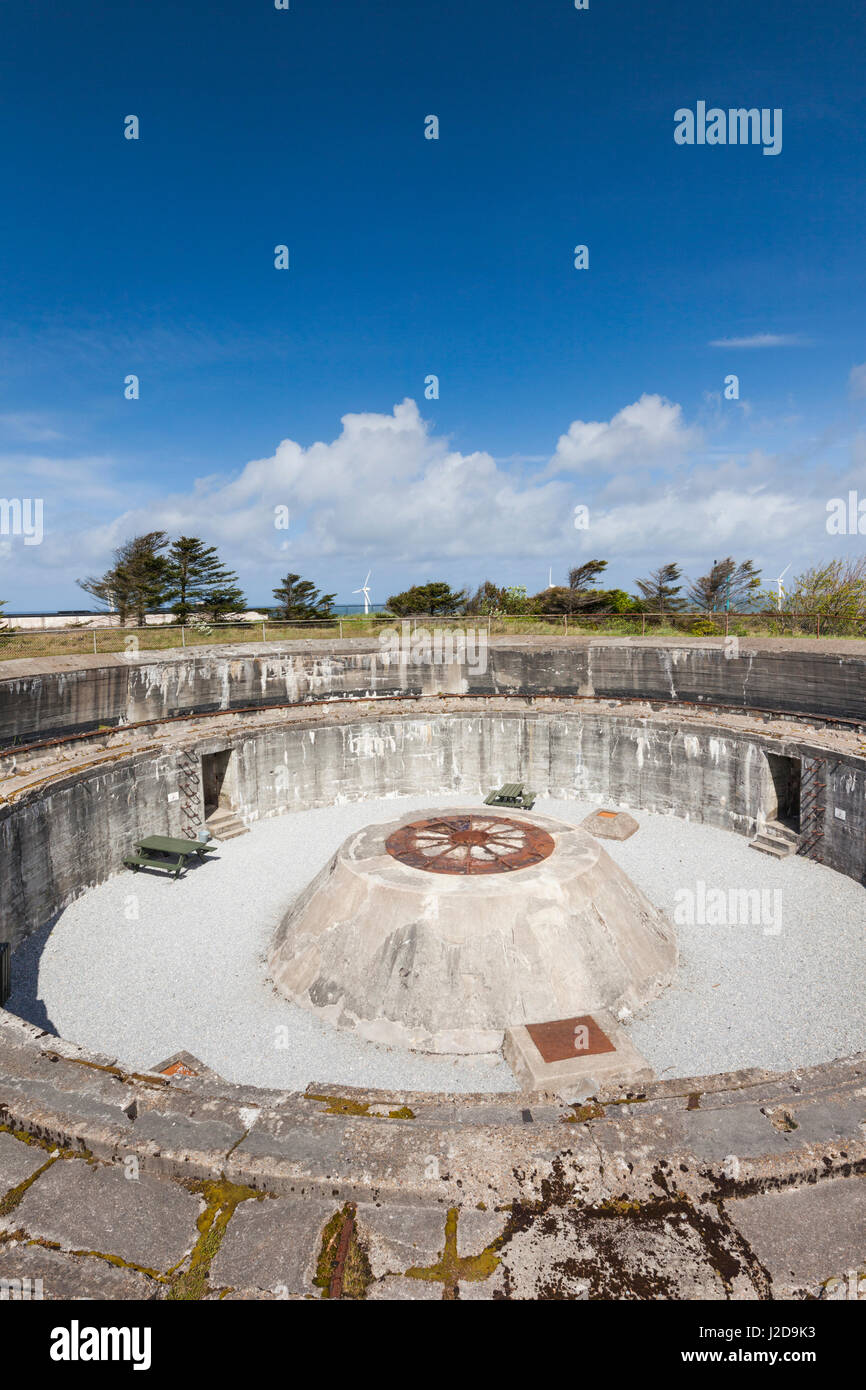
pixel 143 966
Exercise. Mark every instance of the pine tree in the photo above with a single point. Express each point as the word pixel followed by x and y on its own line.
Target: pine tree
pixel 299 598
pixel 200 582
pixel 431 599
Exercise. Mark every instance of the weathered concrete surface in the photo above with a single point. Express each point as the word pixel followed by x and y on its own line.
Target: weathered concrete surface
pixel 82 1206
pixel 38 700
pixel 18 1161
pixel 799 1234
pixel 273 1246
pixel 445 963
pixel 35 1272
pixel 512 1197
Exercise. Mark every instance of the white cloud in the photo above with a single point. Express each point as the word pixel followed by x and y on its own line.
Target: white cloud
pixel 387 493
pixel 649 432
pixel 700 525
pixel 762 340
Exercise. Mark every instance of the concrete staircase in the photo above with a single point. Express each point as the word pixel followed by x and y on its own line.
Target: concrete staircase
pixel 223 824
pixel 776 839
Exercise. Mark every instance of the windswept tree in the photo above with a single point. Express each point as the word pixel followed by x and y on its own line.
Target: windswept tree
pixel 835 592
pixel 558 598
pixel 565 600
pixel 137 582
pixel 199 582
pixel 660 591
pixel 433 599
pixel 582 579
pixel 727 586
pixel 299 598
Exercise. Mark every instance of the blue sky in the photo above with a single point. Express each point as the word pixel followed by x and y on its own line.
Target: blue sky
pixel 409 257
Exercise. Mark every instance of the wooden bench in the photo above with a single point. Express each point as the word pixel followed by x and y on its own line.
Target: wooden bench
pixel 511 794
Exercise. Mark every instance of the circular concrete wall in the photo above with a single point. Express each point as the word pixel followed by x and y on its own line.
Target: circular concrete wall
pixel 745 1159
pixel 65 831
pixel 62 695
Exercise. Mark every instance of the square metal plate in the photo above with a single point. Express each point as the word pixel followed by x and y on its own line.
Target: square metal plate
pixel 556 1041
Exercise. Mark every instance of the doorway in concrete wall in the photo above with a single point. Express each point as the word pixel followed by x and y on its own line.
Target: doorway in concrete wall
pixel 785 773
pixel 214 767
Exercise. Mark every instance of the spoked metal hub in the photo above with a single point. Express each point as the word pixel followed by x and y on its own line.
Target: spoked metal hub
pixel 469 845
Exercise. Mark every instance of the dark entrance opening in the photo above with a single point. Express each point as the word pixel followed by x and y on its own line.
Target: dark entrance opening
pixel 785 773
pixel 214 767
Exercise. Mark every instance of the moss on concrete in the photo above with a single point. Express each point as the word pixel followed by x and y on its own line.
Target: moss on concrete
pixel 451 1269
pixel 357 1275
pixel 344 1105
pixel 221 1200
pixel 582 1113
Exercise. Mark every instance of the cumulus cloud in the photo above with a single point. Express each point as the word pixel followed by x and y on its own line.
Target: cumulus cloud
pixel 390 494
pixel 643 434
pixel 689 525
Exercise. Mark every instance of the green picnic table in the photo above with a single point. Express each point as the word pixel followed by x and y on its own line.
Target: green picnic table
pixel 166 853
pixel 511 794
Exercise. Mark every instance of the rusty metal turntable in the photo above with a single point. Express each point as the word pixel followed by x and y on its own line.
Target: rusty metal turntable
pixel 470 845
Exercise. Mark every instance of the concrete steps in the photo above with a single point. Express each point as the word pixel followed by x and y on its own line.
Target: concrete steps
pixel 776 839
pixel 223 824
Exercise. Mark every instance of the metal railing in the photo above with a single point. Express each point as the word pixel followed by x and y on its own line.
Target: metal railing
pixel 93 641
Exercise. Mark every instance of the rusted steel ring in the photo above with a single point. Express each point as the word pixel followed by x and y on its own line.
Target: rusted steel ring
pixel 475 844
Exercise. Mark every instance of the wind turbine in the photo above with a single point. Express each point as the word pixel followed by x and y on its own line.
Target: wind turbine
pixel 365 591
pixel 781 588
pixel 550 578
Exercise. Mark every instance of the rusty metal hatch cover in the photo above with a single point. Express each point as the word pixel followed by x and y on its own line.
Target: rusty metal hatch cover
pixel 470 845
pixel 566 1038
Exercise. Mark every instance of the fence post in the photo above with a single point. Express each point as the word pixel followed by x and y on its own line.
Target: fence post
pixel 726 622
pixel 643 624
pixel 818 625
pixel 565 621
pixel 264 638
pixel 183 634
pixel 341 629
pixel 94 641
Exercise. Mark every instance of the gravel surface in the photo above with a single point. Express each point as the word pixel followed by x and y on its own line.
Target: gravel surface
pixel 143 966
